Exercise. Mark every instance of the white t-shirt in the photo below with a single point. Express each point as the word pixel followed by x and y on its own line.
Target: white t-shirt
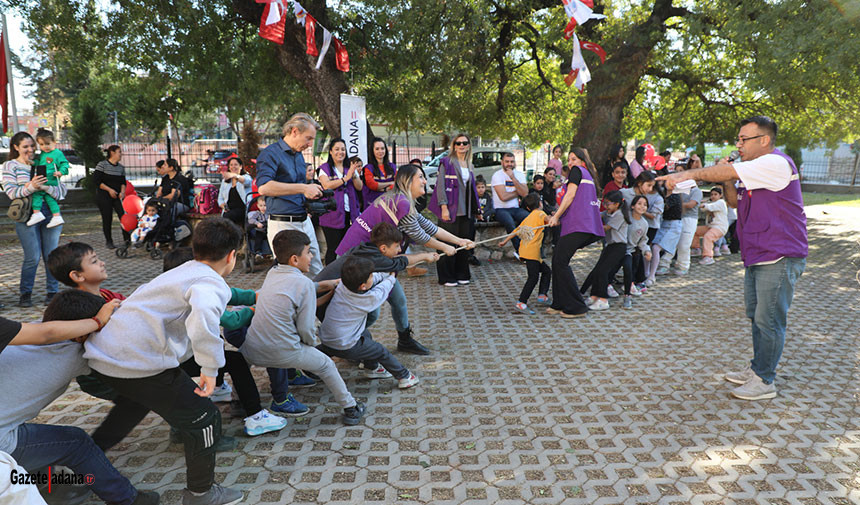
pixel 770 171
pixel 501 179
pixel 720 219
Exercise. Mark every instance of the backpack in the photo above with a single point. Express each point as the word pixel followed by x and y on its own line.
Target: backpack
pixel 206 200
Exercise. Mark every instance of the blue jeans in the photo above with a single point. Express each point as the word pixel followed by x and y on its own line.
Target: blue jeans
pixel 279 380
pixel 510 219
pixel 768 290
pixel 41 445
pixel 38 241
pixel 397 300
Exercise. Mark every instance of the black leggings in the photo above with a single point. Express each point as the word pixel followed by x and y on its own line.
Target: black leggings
pixel 455 268
pixel 565 293
pixel 537 270
pixel 107 206
pixel 610 258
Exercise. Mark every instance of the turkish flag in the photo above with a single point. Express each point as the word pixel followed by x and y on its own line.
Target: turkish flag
pixel 272 22
pixel 341 57
pixel 568 30
pixel 571 76
pixel 589 3
pixel 311 35
pixel 596 49
pixel 4 81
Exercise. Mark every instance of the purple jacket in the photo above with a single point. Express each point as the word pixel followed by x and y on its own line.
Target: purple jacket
pixel 583 215
pixel 337 218
pixel 370 195
pixel 359 232
pixel 772 224
pixel 451 178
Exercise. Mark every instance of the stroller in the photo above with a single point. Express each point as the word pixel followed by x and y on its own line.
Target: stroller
pixel 169 229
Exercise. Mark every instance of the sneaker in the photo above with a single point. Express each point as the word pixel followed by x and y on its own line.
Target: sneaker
pixel 642 288
pixel 36 218
pixel 451 284
pixel 544 300
pixel 628 302
pixel 301 380
pixel 377 373
pixel 516 255
pixel 662 271
pixel 26 300
pixel 677 271
pixel 611 292
pixel 649 282
pixel 146 498
pixel 406 343
pixel 600 305
pixel 725 249
pixel 407 382
pixel 717 252
pixel 474 261
pixel 740 377
pixel 216 495
pixel 707 260
pixel 463 282
pixel 352 415
pixel 755 389
pixel 522 308
pixel 634 291
pixel 589 300
pixel 57 220
pixel 695 252
pixel 49 297
pixel 263 422
pixel 290 407
pixel 222 393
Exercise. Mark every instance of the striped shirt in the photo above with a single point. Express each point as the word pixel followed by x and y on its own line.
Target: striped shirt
pixel 417 227
pixel 16 175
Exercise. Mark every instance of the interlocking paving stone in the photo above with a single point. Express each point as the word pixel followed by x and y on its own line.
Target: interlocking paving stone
pixel 621 407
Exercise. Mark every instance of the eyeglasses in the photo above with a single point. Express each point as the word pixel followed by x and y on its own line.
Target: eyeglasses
pixel 741 140
pixel 462 143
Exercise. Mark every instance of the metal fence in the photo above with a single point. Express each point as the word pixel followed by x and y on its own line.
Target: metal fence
pixel 837 170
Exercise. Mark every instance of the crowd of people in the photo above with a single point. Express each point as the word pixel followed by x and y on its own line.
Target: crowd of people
pixel 141 352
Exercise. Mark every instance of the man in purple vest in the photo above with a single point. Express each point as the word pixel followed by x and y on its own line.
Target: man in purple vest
pixel 771 228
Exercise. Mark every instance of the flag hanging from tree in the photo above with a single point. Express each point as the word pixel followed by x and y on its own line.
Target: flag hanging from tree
pixel 341 57
pixel 273 20
pixel 4 83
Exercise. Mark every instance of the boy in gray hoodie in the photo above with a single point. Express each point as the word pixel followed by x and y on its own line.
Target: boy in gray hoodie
pixel 162 324
pixel 344 330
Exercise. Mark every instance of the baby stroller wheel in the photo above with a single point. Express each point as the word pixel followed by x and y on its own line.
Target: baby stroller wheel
pixel 148 246
pixel 122 252
pixel 155 253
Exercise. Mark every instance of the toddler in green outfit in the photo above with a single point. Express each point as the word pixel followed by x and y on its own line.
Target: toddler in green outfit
pixel 56 166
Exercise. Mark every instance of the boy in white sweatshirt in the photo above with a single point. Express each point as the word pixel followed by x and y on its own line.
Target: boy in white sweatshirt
pixel 344 333
pixel 717 224
pixel 162 324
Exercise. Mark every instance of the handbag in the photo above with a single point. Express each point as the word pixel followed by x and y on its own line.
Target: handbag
pixel 20 209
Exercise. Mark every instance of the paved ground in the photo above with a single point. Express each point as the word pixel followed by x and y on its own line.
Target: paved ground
pixel 620 407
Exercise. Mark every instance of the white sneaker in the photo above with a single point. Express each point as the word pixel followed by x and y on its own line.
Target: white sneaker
pixel 57 220
pixel 755 389
pixel 717 253
pixel 516 255
pixel 263 422
pixel 451 284
pixel 611 292
pixel 662 271
pixel 707 260
pixel 36 218
pixel 635 291
pixel 407 382
pixel 649 282
pixel 725 249
pixel 224 393
pixel 589 300
pixel 463 283
pixel 740 377
pixel 600 305
pixel 379 373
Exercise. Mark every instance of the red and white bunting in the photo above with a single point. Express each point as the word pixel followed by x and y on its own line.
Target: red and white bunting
pixel 577 64
pixel 580 11
pixel 341 57
pixel 326 43
pixel 311 35
pixel 273 20
pixel 594 48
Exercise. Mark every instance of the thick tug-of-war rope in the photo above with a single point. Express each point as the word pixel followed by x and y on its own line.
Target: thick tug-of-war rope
pixel 523 232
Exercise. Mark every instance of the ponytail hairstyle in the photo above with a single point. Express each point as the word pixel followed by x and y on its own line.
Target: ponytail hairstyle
pixel 616 197
pixel 402 187
pixel 582 153
pixel 14 142
pixel 635 201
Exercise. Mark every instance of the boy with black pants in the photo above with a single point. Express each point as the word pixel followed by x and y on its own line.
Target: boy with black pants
pixel 162 324
pixel 344 333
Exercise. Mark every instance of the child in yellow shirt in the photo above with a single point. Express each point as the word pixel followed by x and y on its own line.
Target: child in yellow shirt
pixel 530 252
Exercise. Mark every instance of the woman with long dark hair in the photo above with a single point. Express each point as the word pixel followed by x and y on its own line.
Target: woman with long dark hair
pixel 581 225
pixel 234 191
pixel 455 203
pixel 616 156
pixel 637 166
pixel 175 186
pixel 378 173
pixel 341 176
pixel 38 240
pixel 109 180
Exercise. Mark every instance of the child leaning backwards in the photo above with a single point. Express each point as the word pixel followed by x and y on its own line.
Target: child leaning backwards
pixel 530 252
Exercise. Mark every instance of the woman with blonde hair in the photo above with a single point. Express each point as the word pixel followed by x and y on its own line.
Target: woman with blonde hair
pixel 455 203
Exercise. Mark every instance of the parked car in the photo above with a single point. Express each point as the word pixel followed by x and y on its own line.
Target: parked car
pixel 211 167
pixel 485 160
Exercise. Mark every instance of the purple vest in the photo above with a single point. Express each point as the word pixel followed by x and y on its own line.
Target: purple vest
pixel 359 232
pixel 337 217
pixel 583 215
pixel 772 224
pixel 451 184
pixel 368 194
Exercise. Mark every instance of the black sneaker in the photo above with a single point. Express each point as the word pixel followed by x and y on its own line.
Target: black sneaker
pixel 353 415
pixel 146 498
pixel 474 261
pixel 26 300
pixel 49 297
pixel 405 343
pixel 109 244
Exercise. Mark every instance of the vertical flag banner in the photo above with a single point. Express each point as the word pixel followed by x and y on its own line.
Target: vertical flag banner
pixel 341 57
pixel 4 83
pixel 272 24
pixel 311 35
pixel 353 125
pixel 326 42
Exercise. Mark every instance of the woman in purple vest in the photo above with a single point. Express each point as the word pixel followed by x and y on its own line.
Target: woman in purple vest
pixel 398 208
pixel 455 203
pixel 771 227
pixel 579 216
pixel 341 176
pixel 378 173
